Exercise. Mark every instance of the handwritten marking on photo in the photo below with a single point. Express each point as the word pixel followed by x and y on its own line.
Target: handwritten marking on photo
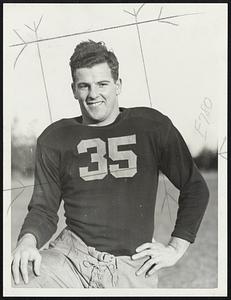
pixel 167 196
pixel 104 29
pixel 203 119
pixel 221 152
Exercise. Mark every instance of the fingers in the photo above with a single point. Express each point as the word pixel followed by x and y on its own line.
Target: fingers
pixel 24 266
pixel 160 256
pixel 154 269
pixel 144 246
pixel 37 263
pixel 151 263
pixel 20 264
pixel 149 252
pixel 148 249
pixel 15 269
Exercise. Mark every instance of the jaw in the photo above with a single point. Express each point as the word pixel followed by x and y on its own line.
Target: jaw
pixel 94 112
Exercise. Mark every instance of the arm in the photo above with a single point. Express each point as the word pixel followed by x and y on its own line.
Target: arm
pixel 41 220
pixel 176 163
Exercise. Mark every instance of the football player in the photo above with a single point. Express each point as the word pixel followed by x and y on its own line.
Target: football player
pixel 105 165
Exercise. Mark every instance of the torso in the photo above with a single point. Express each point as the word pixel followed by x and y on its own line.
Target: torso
pixel 109 177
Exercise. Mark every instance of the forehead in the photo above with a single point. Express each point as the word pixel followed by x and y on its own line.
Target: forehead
pixel 97 72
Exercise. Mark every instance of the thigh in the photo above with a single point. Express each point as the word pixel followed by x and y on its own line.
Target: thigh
pixel 127 274
pixel 56 271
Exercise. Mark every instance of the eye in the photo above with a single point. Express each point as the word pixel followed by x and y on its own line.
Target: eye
pixel 82 86
pixel 102 84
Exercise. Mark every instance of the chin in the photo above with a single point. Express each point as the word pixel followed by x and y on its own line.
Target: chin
pixel 97 119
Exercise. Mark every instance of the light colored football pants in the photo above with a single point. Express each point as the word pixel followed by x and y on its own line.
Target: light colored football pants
pixel 70 263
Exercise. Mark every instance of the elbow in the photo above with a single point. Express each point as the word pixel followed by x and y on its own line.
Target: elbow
pixel 205 192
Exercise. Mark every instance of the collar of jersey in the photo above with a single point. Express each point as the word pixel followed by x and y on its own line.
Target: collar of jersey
pixel 120 116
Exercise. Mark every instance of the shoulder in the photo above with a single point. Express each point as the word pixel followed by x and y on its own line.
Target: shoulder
pixel 150 115
pixel 55 131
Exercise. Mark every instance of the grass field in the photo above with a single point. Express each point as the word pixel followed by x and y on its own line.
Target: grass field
pixel 198 267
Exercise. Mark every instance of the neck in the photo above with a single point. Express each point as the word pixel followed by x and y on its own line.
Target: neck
pixel 105 122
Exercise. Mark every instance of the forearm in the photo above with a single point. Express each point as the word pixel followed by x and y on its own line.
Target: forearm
pixel 177 164
pixel 41 219
pixel 193 201
pixel 41 225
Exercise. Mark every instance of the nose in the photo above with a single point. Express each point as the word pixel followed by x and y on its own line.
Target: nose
pixel 93 92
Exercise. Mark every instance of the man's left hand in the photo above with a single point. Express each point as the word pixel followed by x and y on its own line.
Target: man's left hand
pixel 160 256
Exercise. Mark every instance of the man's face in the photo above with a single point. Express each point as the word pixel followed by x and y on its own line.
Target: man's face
pixel 97 94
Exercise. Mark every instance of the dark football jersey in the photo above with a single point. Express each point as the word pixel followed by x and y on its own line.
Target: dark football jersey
pixel 107 177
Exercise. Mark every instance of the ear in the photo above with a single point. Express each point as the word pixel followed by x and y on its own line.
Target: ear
pixel 118 86
pixel 73 90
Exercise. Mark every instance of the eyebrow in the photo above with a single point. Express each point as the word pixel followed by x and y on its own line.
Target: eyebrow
pixel 86 83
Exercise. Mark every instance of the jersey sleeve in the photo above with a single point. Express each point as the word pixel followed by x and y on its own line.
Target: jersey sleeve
pixel 177 164
pixel 42 218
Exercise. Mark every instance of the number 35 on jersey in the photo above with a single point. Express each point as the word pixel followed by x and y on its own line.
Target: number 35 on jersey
pixel 114 153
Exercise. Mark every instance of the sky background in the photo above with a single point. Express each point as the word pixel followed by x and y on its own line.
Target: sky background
pixel 186 64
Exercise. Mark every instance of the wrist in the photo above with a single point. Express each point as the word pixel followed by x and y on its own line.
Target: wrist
pixel 179 245
pixel 28 239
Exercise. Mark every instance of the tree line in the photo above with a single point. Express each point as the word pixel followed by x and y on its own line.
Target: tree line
pixel 23 157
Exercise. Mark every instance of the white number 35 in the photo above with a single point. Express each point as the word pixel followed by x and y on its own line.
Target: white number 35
pixel 114 154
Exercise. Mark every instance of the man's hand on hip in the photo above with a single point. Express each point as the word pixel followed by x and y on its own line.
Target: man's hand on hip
pixel 160 256
pixel 24 252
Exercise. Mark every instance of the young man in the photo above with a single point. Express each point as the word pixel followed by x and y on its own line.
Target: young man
pixel 104 165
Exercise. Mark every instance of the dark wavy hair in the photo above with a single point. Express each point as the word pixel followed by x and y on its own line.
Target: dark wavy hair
pixel 89 53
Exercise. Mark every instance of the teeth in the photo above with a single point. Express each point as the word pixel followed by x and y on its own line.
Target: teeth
pixel 95 104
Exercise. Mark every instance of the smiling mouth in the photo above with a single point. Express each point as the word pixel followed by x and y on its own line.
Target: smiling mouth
pixel 94 103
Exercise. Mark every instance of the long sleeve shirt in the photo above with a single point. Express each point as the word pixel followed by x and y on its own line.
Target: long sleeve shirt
pixel 107 177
